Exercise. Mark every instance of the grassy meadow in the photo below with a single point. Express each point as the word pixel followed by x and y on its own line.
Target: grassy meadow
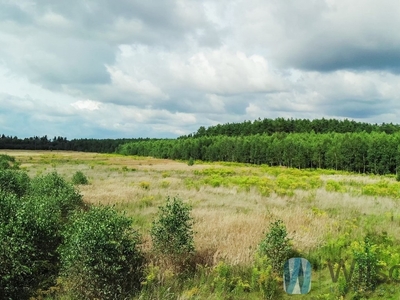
pixel 327 215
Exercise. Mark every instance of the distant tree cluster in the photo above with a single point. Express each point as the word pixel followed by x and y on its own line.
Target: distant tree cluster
pixel 375 152
pixel 271 126
pixel 62 143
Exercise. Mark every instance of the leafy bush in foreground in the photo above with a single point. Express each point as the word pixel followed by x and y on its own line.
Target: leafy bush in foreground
pixel 29 237
pixel 8 162
pixel 58 192
pixel 16 251
pixel 32 214
pixel 14 181
pixel 100 256
pixel 42 229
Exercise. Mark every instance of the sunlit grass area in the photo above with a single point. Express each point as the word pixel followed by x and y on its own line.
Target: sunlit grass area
pixel 325 211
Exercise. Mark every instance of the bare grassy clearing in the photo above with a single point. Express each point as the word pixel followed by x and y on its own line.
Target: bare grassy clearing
pixel 230 220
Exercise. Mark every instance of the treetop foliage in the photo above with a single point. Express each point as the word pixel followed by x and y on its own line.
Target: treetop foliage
pixel 245 128
pixel 271 126
pixel 62 143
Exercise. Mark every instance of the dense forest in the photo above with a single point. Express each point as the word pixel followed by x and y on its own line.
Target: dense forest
pixel 375 152
pixel 62 143
pixel 246 128
pixel 300 143
pixel 270 126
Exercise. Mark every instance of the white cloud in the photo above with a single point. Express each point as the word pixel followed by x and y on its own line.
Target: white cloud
pixel 54 21
pixel 86 105
pixel 222 71
pixel 130 84
pixel 216 103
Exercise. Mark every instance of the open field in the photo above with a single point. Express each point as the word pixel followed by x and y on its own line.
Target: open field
pixel 233 204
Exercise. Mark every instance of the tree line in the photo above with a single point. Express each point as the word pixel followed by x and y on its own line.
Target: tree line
pixel 270 126
pixel 301 143
pixel 363 152
pixel 62 143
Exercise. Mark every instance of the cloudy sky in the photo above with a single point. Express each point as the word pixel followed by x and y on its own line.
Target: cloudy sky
pixel 163 68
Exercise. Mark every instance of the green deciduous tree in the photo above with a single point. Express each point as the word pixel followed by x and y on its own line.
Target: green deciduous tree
pixel 58 191
pixel 276 245
pixel 172 231
pixel 100 255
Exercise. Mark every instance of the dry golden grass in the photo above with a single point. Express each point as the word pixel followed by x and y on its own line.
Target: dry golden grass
pixel 229 222
pixel 355 177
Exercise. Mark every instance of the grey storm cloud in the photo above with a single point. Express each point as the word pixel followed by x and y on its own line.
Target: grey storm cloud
pixel 323 35
pixel 355 109
pixel 155 68
pixel 129 22
pixel 335 35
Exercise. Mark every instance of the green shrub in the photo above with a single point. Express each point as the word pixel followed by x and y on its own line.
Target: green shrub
pixel 41 222
pixel 79 178
pixel 29 237
pixel 14 181
pixel 9 204
pixel 59 193
pixel 100 256
pixel 16 252
pixel 276 245
pixel 263 278
pixel 8 162
pixel 334 186
pixel 172 232
pixel 144 185
pixel 229 280
pixel 191 161
pixel 32 214
pixel 366 270
pixel 17 278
